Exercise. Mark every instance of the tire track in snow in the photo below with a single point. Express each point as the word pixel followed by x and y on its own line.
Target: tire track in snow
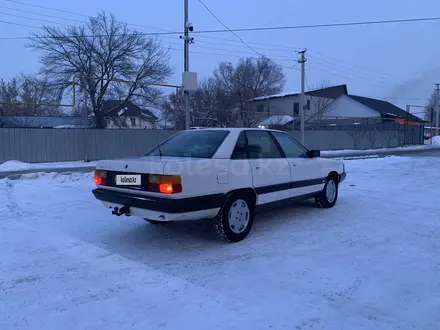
pixel 10 205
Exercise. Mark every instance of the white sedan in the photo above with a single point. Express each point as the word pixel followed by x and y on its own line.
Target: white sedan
pixel 222 174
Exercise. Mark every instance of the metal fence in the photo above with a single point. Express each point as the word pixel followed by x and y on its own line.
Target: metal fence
pixel 55 145
pixel 34 145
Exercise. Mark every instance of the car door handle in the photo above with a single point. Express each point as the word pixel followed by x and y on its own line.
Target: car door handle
pixel 257 167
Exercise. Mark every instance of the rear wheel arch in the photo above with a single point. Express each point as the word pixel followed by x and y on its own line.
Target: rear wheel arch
pixel 250 191
pixel 225 221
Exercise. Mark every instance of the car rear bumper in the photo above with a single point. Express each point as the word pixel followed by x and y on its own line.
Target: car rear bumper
pixel 162 209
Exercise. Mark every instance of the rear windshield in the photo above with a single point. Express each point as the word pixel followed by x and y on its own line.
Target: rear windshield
pixel 194 143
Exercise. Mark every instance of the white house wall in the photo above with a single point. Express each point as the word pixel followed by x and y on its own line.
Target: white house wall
pixel 284 105
pixel 345 107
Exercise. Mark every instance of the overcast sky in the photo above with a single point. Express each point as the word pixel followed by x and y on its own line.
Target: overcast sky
pixel 394 60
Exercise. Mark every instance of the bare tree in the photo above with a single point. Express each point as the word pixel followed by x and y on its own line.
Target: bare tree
pixel 212 107
pixel 389 137
pixel 319 106
pixel 40 96
pixel 111 59
pixel 249 79
pixel 371 127
pixel 9 95
pixel 172 111
pixel 356 134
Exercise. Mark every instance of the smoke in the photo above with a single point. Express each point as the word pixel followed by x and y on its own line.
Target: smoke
pixel 416 91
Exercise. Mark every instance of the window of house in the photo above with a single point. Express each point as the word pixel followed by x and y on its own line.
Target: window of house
pixel 308 104
pixel 260 108
pixel 133 121
pixel 291 147
pixel 296 109
pixel 261 145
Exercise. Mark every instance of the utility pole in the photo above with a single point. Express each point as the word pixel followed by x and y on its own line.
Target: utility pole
pixel 302 61
pixel 186 63
pixel 437 107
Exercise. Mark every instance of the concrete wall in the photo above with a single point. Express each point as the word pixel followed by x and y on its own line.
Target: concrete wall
pixel 55 145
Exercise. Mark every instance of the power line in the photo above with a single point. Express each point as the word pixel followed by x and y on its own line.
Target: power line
pixel 218 54
pixel 209 48
pixel 168 37
pixel 171 32
pixel 83 22
pixel 45 7
pixel 311 26
pixel 31 18
pixel 279 58
pixel 44 15
pixel 235 34
pixel 285 48
pixel 336 66
pixel 131 24
pixel 18 24
pixel 358 66
pixel 276 28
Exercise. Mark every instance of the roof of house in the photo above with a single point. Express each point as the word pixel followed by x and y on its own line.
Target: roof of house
pixel 117 108
pixel 385 108
pixel 331 92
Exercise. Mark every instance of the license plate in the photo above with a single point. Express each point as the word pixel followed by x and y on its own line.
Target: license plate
pixel 128 180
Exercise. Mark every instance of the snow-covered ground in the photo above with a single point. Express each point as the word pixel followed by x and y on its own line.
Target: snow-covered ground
pixel 371 262
pixel 434 141
pixel 348 152
pixel 15 165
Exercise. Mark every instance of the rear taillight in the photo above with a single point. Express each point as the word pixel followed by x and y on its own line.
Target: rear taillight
pixel 100 178
pixel 165 184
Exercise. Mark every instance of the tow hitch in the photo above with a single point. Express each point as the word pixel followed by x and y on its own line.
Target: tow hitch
pixel 120 211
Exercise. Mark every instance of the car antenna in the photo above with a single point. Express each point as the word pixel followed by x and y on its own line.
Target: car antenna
pixel 158 145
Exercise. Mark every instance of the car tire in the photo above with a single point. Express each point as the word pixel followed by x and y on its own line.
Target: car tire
pixel 235 218
pixel 329 195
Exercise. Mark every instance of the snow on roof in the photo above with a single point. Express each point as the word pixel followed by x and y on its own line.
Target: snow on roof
pixel 121 112
pixel 272 96
pixel 69 126
pixel 276 120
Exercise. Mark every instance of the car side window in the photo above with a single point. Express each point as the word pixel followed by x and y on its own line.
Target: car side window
pixel 261 145
pixel 240 150
pixel 291 147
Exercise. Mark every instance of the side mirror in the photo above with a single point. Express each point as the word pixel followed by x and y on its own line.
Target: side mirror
pixel 314 153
